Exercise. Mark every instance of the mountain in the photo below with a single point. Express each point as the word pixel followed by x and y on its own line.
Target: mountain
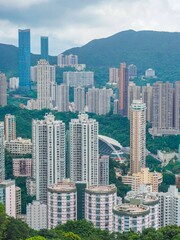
pixel 146 49
pixel 9 59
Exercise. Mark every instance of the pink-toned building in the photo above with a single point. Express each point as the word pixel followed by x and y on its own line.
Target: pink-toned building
pixel 22 167
pixel 62 203
pixel 99 204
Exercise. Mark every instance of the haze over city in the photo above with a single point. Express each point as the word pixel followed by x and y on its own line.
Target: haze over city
pixel 74 23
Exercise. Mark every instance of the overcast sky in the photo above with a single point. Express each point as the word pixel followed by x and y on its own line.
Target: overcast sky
pixel 71 23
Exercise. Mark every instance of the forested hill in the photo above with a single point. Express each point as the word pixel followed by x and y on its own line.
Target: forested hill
pixel 146 49
pixel 9 59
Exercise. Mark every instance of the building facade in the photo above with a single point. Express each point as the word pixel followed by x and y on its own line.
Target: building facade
pixel 79 99
pixel 104 170
pixel 36 215
pixel 99 204
pixel 44 48
pixel 19 146
pixel 62 203
pixel 83 149
pixel 123 90
pixel 2 152
pixel 78 79
pixel 113 75
pixel 62 96
pixel 10 127
pixel 48 137
pixel 24 58
pixel 137 115
pixel 3 90
pixel 22 167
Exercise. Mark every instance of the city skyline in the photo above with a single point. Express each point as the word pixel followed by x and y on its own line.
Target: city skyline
pixel 66 28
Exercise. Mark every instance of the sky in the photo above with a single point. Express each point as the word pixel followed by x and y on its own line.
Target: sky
pixel 73 23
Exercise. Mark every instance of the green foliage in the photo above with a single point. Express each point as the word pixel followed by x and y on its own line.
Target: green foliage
pixel 153 164
pixel 36 238
pixel 173 166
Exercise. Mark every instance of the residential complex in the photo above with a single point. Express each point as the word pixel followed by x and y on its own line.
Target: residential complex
pixel 67 60
pixel 22 167
pixel 2 152
pixel 79 99
pixel 104 170
pixel 137 114
pixel 36 215
pixel 62 203
pixel 78 79
pixel 113 75
pixel 62 96
pixel 99 202
pixel 123 90
pixel 99 100
pixel 48 138
pixel 19 146
pixel 9 127
pixel 83 149
pixel 3 90
pixel 13 83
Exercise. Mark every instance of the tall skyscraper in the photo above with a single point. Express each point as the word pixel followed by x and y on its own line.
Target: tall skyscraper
pixel 45 76
pixel 62 98
pixel 84 147
pixel 134 93
pixel 137 115
pixel 3 90
pixel 24 58
pixel 79 99
pixel 44 48
pixel 162 96
pixel 132 70
pixel 2 152
pixel 48 138
pixel 123 90
pixel 147 99
pixel 10 127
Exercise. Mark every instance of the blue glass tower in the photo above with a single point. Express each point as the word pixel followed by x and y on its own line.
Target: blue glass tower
pixel 24 58
pixel 44 48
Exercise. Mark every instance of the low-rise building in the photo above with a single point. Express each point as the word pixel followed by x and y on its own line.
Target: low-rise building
pixel 22 167
pixel 19 146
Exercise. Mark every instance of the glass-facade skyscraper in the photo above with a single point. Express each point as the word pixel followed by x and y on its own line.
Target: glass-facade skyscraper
pixel 44 48
pixel 24 58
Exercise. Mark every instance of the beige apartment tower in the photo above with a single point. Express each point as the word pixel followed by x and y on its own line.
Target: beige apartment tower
pixel 137 115
pixel 3 90
pixel 10 127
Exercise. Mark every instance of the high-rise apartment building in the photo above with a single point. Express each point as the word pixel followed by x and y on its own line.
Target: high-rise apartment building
pixel 116 106
pixel 48 138
pixel 104 170
pixel 83 149
pixel 177 106
pixel 2 152
pixel 162 96
pixel 67 60
pixel 79 99
pixel 132 70
pixel 147 99
pixel 169 207
pixel 113 75
pixel 99 204
pixel 44 48
pixel 78 79
pixel 123 90
pixel 99 100
pixel 13 83
pixel 137 115
pixel 150 73
pixel 3 90
pixel 18 201
pixel 133 217
pixel 8 196
pixel 134 93
pixel 22 167
pixel 10 127
pixel 36 215
pixel 149 199
pixel 45 76
pixel 24 58
pixel 62 98
pixel 62 203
